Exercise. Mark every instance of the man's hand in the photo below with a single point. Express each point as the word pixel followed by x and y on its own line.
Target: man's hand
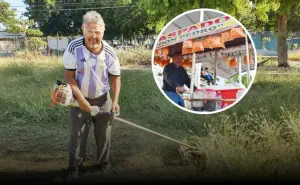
pixel 116 85
pixel 180 89
pixel 115 107
pixel 84 105
pixel 189 91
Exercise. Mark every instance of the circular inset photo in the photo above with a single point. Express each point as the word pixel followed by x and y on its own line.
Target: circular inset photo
pixel 204 61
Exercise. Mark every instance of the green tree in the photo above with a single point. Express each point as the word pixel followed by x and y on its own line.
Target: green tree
pixel 293 25
pixel 132 21
pixel 253 14
pixel 7 16
pixel 282 11
pixel 163 11
pixel 54 17
pixel 14 25
pixel 65 18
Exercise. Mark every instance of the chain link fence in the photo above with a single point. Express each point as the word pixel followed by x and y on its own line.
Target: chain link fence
pixel 15 44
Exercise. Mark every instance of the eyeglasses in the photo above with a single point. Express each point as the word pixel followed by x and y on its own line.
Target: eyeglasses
pixel 92 32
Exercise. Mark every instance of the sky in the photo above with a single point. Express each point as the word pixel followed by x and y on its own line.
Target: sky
pixel 18 4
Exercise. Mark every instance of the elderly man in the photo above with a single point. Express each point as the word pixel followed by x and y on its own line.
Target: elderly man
pixel 174 78
pixel 89 64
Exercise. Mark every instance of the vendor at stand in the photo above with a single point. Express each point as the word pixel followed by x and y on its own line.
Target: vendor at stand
pixel 207 76
pixel 174 79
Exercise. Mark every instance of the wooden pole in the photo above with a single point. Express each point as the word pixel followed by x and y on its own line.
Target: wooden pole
pixel 215 72
pixel 198 65
pixel 240 68
pixel 193 73
pixel 248 64
pixel 48 48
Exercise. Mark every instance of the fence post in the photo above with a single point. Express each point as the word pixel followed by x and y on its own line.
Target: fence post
pixel 57 46
pixel 48 48
pixel 25 44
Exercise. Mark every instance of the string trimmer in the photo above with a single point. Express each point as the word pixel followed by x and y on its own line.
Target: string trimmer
pixel 62 95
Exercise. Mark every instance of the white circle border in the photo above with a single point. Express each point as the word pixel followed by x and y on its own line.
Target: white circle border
pixel 255 59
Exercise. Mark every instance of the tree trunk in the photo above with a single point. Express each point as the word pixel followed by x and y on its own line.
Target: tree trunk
pixel 282 46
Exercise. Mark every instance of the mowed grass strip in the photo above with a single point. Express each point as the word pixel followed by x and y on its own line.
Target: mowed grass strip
pixel 268 113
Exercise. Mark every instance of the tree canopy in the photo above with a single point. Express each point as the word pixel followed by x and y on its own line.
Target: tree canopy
pixel 130 18
pixel 13 25
pixel 258 15
pixel 66 18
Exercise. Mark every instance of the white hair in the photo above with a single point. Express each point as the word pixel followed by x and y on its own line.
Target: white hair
pixel 93 17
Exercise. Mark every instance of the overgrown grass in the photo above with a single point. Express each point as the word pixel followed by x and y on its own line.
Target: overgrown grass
pixel 27 118
pixel 259 136
pixel 254 146
pixel 270 64
pixel 292 56
pixel 139 56
pixel 295 56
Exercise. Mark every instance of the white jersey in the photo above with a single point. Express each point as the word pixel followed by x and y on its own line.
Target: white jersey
pixel 92 71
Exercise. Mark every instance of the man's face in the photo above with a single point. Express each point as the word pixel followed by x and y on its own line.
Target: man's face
pixel 93 34
pixel 177 59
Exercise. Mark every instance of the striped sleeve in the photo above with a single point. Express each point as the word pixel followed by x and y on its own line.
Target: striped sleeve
pixel 114 65
pixel 69 60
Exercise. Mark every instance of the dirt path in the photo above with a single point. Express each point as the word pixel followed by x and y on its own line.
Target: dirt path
pixel 135 154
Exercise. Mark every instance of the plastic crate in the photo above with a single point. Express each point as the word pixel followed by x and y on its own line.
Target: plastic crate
pixel 228 94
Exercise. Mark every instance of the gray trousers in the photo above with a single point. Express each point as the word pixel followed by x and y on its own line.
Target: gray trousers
pixel 80 122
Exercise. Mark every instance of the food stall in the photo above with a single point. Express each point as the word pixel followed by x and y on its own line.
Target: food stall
pixel 219 45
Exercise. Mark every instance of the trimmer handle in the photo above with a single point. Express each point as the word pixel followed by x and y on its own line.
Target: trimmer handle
pixel 116 113
pixel 95 109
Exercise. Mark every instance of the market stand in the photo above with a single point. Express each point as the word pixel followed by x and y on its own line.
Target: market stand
pixel 220 44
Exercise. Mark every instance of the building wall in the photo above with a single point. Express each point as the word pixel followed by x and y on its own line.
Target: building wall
pixel 57 44
pixel 11 45
pixel 270 45
pixel 257 41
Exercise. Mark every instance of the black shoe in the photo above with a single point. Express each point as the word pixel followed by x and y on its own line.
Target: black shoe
pixel 106 169
pixel 106 166
pixel 74 173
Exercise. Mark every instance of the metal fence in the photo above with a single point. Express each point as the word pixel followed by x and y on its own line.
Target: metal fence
pixel 265 44
pixel 55 46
